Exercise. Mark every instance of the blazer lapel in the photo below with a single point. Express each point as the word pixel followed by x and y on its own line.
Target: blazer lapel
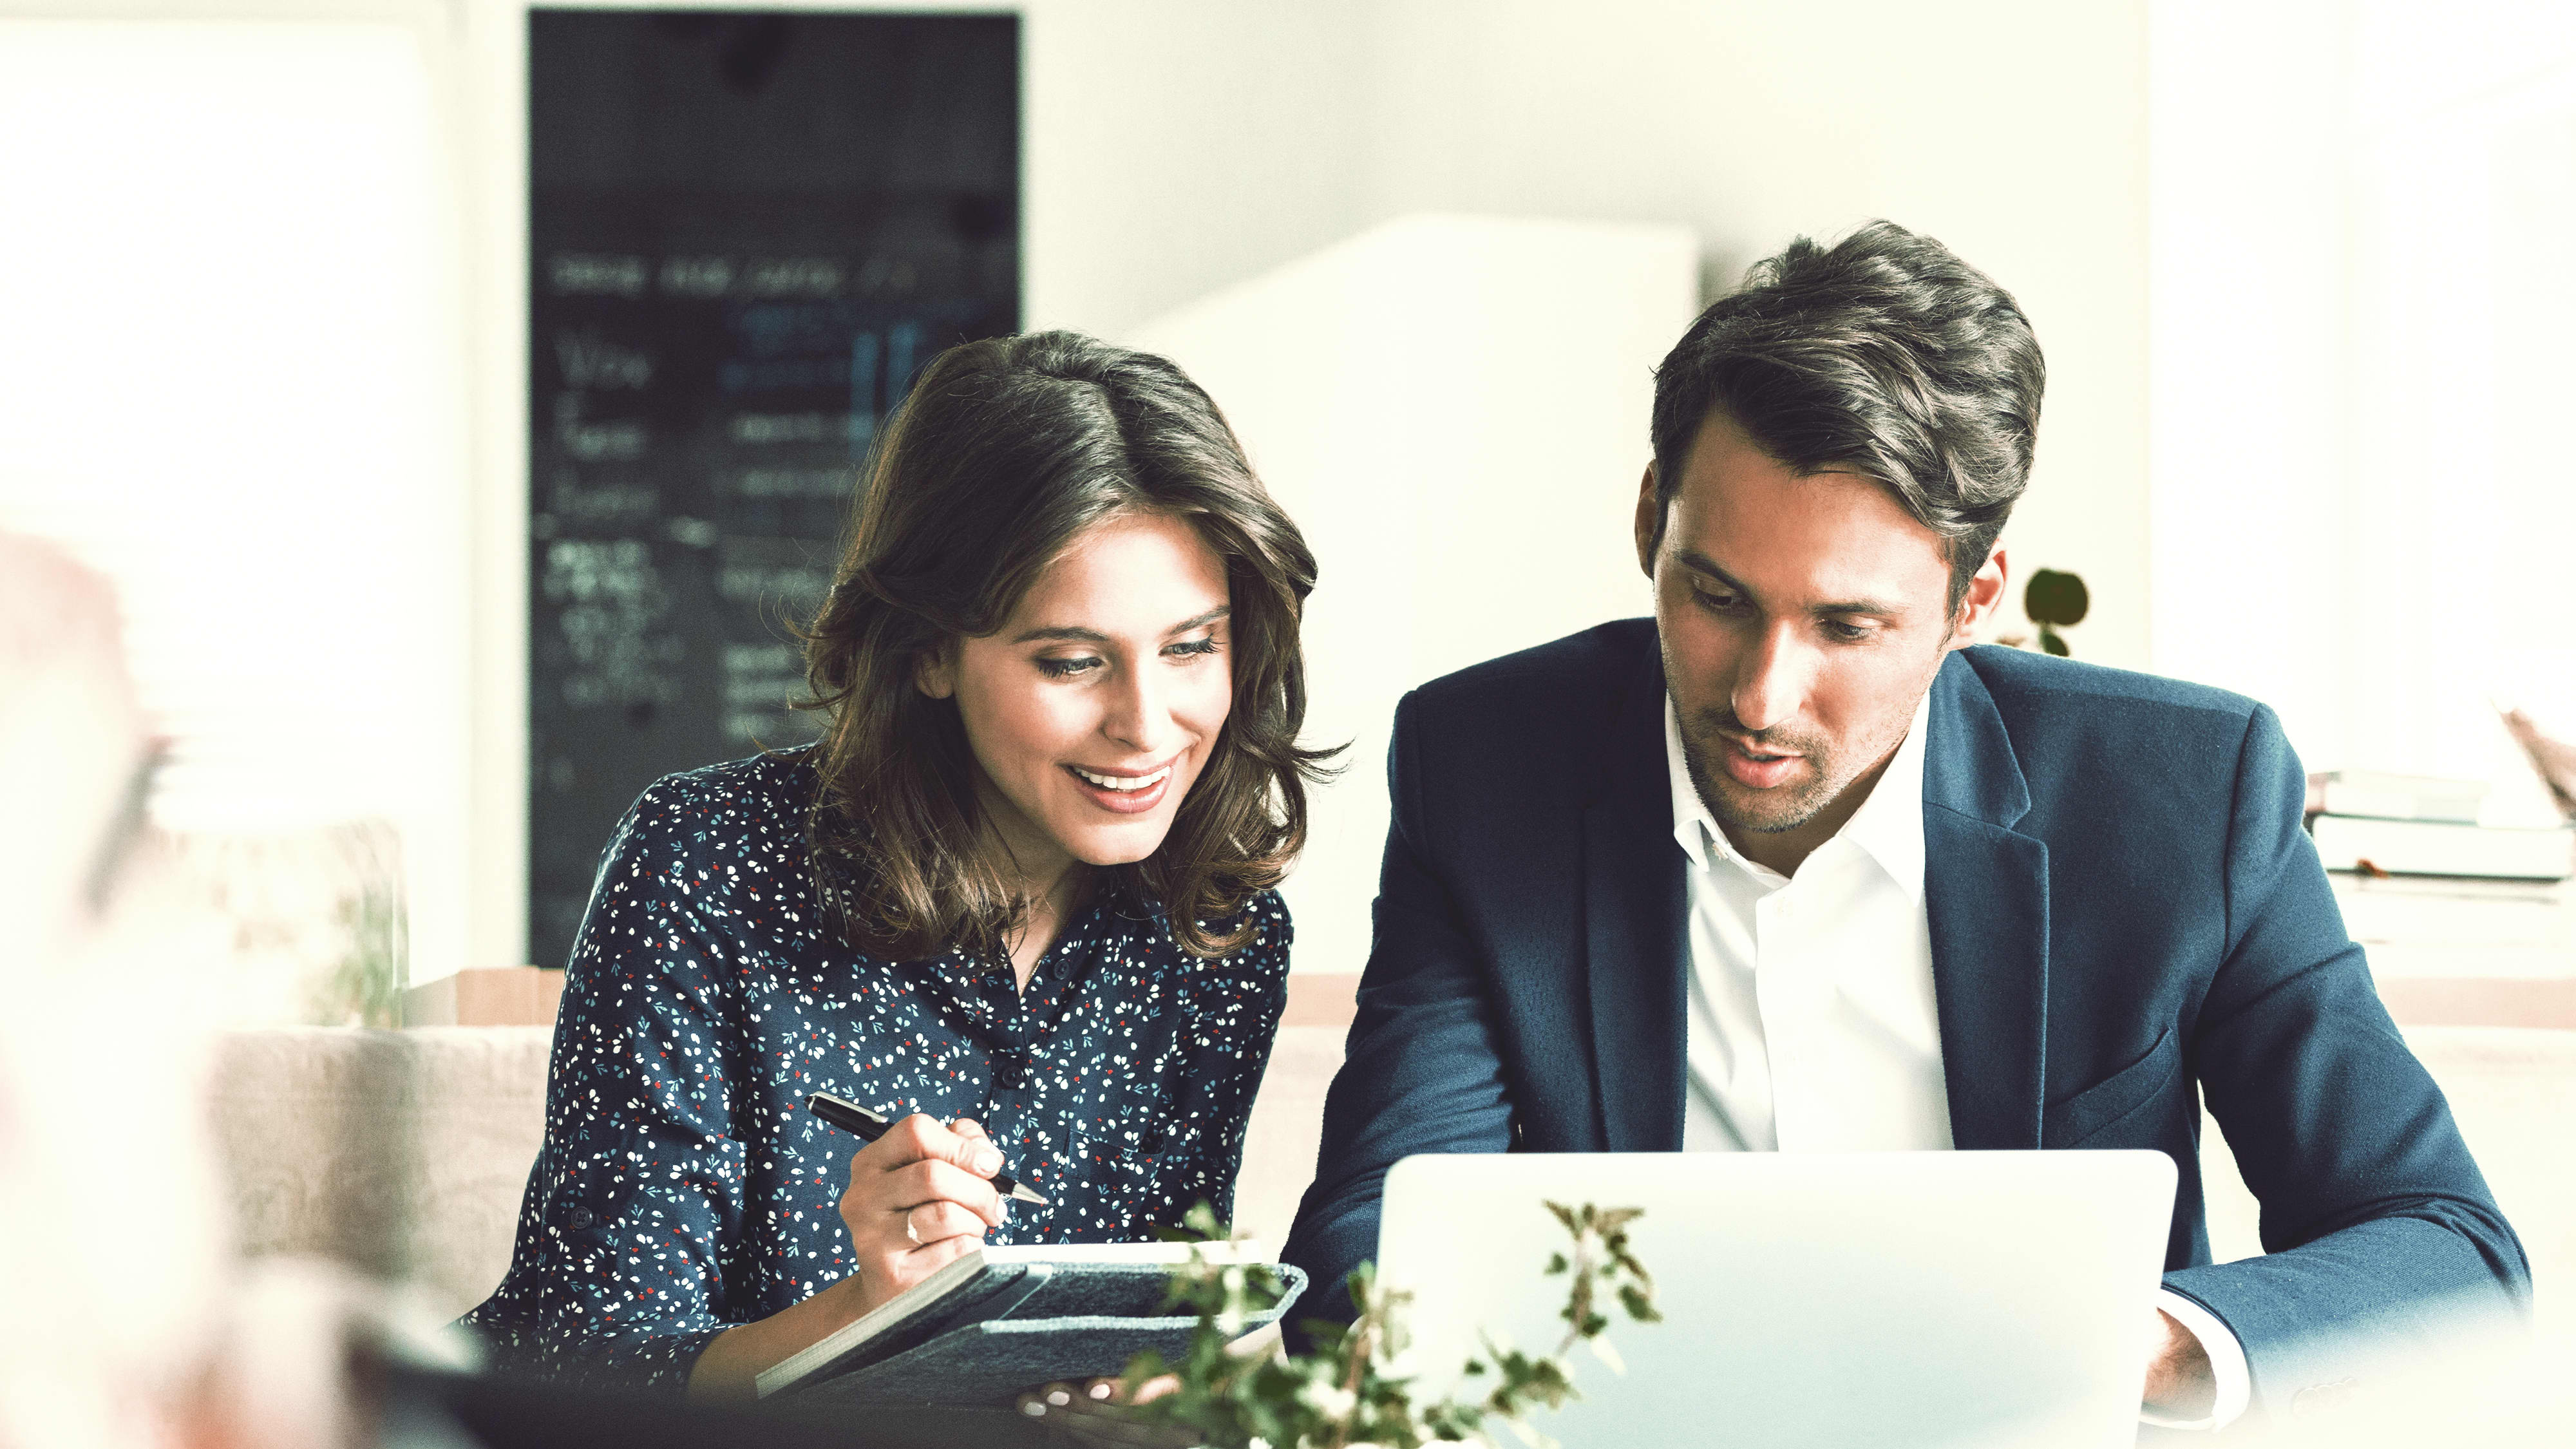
pixel 1985 898
pixel 1634 931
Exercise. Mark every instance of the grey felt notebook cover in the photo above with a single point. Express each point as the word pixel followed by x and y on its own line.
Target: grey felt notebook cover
pixel 993 1294
pixel 1085 1321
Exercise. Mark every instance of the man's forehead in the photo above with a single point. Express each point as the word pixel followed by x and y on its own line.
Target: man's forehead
pixel 1809 541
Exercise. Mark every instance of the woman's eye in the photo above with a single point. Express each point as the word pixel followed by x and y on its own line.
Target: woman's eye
pixel 1067 668
pixel 1193 649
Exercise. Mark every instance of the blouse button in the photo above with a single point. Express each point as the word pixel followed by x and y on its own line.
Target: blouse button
pixel 580 1219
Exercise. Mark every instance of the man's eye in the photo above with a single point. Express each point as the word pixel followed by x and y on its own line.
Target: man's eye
pixel 1844 633
pixel 1067 668
pixel 1710 600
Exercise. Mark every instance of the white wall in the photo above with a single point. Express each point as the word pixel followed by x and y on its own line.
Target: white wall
pixel 1175 147
pixel 2249 279
pixel 2360 513
pixel 233 382
pixel 1449 408
pixel 2013 130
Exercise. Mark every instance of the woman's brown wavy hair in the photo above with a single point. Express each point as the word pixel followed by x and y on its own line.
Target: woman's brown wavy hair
pixel 1005 451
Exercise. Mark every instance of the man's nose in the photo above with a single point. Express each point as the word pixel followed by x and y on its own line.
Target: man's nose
pixel 1771 680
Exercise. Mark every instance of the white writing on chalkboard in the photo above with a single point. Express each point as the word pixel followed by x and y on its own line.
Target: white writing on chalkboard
pixel 587 442
pixel 577 274
pixel 779 571
pixel 610 599
pixel 789 427
pixel 697 276
pixel 792 277
pixel 759 680
pixel 790 482
pixel 590 360
pixel 600 507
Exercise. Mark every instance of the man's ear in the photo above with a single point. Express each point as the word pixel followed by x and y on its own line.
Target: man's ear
pixel 1985 595
pixel 934 672
pixel 1650 513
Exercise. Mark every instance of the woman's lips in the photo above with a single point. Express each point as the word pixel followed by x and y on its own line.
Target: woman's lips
pixel 1134 801
pixel 1758 772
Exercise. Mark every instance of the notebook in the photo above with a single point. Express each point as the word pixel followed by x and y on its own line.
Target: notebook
pixel 1003 1319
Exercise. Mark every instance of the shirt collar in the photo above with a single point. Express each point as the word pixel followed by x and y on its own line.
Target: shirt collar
pixel 1888 826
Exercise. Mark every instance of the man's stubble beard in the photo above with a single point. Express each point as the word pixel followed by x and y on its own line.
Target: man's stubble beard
pixel 1806 802
pixel 1793 808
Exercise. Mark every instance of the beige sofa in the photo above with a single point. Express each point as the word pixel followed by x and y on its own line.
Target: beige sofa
pixel 408 1150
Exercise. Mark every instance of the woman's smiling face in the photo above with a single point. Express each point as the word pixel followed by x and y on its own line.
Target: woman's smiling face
pixel 1094 707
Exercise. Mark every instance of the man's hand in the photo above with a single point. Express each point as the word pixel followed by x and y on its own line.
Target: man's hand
pixel 2179 1382
pixel 1096 1414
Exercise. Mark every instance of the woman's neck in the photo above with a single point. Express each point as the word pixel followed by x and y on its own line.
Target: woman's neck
pixel 1052 902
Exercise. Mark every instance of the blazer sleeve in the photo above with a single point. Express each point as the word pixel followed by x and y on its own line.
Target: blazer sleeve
pixel 1420 1070
pixel 2378 1231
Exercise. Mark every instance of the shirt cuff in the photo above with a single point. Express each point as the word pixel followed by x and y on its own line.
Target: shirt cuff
pixel 2226 1365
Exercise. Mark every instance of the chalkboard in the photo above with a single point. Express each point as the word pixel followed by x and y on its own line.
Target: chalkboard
pixel 747 233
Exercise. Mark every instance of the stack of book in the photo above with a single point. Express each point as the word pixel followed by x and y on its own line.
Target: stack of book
pixel 2371 824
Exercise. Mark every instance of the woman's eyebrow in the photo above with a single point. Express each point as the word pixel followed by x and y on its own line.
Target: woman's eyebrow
pixel 1198 620
pixel 1078 634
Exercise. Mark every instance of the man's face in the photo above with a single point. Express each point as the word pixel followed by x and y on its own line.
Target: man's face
pixel 1802 618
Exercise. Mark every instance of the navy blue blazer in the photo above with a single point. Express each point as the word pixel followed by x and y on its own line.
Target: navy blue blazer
pixel 2122 905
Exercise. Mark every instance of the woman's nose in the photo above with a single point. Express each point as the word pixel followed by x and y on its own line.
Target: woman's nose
pixel 1139 717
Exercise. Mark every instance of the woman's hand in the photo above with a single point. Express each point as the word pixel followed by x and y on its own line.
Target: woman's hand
pixel 919 1197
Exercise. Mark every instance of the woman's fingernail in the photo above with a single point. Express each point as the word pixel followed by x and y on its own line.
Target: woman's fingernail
pixel 1059 1397
pixel 986 1162
pixel 1033 1409
pixel 1102 1391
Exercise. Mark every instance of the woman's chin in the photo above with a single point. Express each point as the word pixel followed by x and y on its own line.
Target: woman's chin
pixel 1122 843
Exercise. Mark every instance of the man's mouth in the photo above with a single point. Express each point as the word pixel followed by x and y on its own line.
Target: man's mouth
pixel 1757 769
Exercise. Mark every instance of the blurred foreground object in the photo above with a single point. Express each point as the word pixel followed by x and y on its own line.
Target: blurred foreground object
pixel 111 1228
pixel 131 1322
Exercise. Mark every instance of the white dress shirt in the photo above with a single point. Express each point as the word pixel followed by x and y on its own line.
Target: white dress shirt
pixel 1813 1025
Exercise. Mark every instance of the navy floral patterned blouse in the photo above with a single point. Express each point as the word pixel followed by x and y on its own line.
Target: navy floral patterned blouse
pixel 682 1187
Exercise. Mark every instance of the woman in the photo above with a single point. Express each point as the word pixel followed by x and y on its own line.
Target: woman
pixel 1018 895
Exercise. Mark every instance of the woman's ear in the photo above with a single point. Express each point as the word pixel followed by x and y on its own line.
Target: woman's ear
pixel 934 673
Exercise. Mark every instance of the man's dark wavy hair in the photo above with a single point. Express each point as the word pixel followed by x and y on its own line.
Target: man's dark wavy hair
pixel 1003 453
pixel 1883 354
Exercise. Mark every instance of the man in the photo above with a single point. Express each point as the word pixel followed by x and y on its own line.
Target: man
pixel 1791 867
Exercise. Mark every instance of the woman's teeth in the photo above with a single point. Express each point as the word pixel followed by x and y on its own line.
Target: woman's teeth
pixel 1124 782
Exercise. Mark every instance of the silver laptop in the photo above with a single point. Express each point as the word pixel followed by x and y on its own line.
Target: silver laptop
pixel 1868 1299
